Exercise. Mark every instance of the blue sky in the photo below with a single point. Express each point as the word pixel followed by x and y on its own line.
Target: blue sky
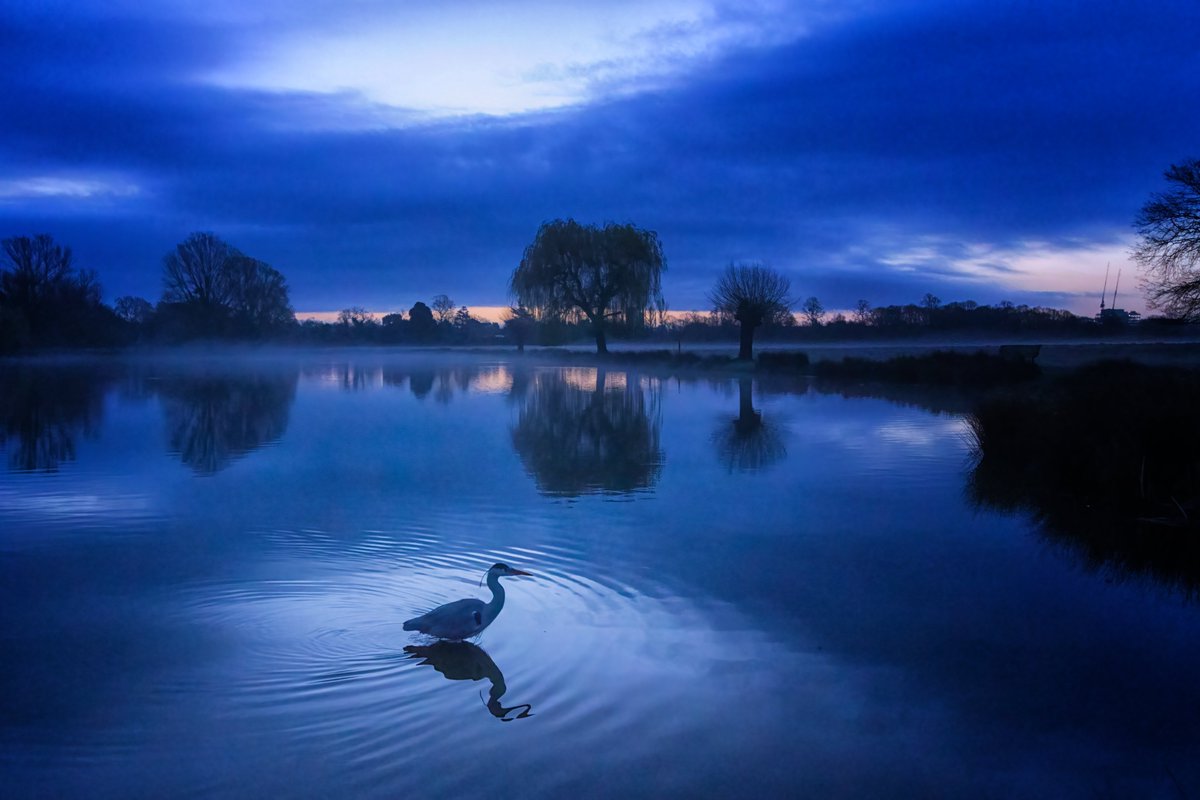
pixel 378 153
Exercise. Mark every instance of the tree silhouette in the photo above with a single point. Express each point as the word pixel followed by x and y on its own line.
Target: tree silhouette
pixel 1168 247
pixel 258 297
pixel 575 440
pixel 135 310
pixel 862 312
pixel 355 317
pixel 519 324
pixel 814 312
pixel 194 272
pixel 44 298
pixel 212 289
pixel 751 294
pixel 443 307
pixel 599 273
pixel 421 323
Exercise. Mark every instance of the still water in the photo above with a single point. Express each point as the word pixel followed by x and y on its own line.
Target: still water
pixel 742 589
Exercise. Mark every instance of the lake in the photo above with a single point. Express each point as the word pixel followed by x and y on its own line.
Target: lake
pixel 741 588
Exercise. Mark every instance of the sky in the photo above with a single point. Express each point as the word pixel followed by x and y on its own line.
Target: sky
pixel 381 152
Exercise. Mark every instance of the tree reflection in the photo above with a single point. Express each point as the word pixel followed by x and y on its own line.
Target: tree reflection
pixel 463 661
pixel 935 399
pixel 44 410
pixel 215 419
pixel 578 437
pixel 748 443
pixel 1104 460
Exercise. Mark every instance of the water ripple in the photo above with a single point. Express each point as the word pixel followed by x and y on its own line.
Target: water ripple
pixel 325 657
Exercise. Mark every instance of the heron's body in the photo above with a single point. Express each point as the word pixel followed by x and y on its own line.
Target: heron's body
pixel 463 619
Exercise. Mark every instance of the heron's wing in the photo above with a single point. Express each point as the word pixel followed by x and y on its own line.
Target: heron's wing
pixel 456 620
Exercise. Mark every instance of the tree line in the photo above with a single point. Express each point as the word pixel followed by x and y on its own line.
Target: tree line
pixel 211 291
pixel 572 279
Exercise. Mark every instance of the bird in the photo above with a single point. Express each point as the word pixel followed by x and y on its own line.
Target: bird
pixel 463 619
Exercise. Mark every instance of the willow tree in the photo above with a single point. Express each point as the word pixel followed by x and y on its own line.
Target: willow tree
pixel 1168 247
pixel 597 273
pixel 751 294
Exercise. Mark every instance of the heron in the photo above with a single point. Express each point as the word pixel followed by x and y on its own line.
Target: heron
pixel 463 619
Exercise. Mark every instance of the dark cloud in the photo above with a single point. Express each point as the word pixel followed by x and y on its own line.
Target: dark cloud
pixel 956 123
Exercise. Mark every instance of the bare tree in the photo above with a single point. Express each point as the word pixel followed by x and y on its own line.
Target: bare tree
pixel 1168 248
pixel 443 307
pixel 597 273
pixel 37 270
pixel 137 310
pixel 258 295
pixel 813 312
pixel 44 297
pixel 223 290
pixel 195 271
pixel 355 317
pixel 862 312
pixel 751 294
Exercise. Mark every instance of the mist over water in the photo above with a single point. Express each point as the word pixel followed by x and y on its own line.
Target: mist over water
pixel 741 588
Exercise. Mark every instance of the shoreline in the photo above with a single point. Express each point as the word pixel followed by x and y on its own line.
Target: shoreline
pixel 1054 355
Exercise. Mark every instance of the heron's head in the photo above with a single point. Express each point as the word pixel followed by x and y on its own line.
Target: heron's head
pixel 504 570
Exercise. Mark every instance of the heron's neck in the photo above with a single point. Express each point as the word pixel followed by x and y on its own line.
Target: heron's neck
pixel 497 603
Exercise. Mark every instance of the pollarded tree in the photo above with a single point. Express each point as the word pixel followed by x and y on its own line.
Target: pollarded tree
pixel 1169 243
pixel 573 270
pixel 752 294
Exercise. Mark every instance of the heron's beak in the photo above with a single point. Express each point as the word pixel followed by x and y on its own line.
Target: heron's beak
pixel 512 571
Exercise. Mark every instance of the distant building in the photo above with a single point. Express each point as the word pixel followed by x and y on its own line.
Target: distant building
pixel 1114 316
pixel 1118 316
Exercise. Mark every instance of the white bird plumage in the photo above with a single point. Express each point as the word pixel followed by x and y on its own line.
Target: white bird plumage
pixel 463 619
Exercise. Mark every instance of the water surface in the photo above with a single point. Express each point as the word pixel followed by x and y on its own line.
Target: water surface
pixel 742 589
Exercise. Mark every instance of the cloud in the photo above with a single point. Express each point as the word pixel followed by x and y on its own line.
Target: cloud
pixel 872 152
pixel 487 58
pixel 74 187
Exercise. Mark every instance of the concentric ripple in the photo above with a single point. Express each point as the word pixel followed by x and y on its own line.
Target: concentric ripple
pixel 323 655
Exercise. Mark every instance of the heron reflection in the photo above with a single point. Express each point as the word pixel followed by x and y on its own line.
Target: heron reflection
pixel 463 661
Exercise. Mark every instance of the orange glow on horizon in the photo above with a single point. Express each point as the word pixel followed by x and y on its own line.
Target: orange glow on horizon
pixel 484 313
